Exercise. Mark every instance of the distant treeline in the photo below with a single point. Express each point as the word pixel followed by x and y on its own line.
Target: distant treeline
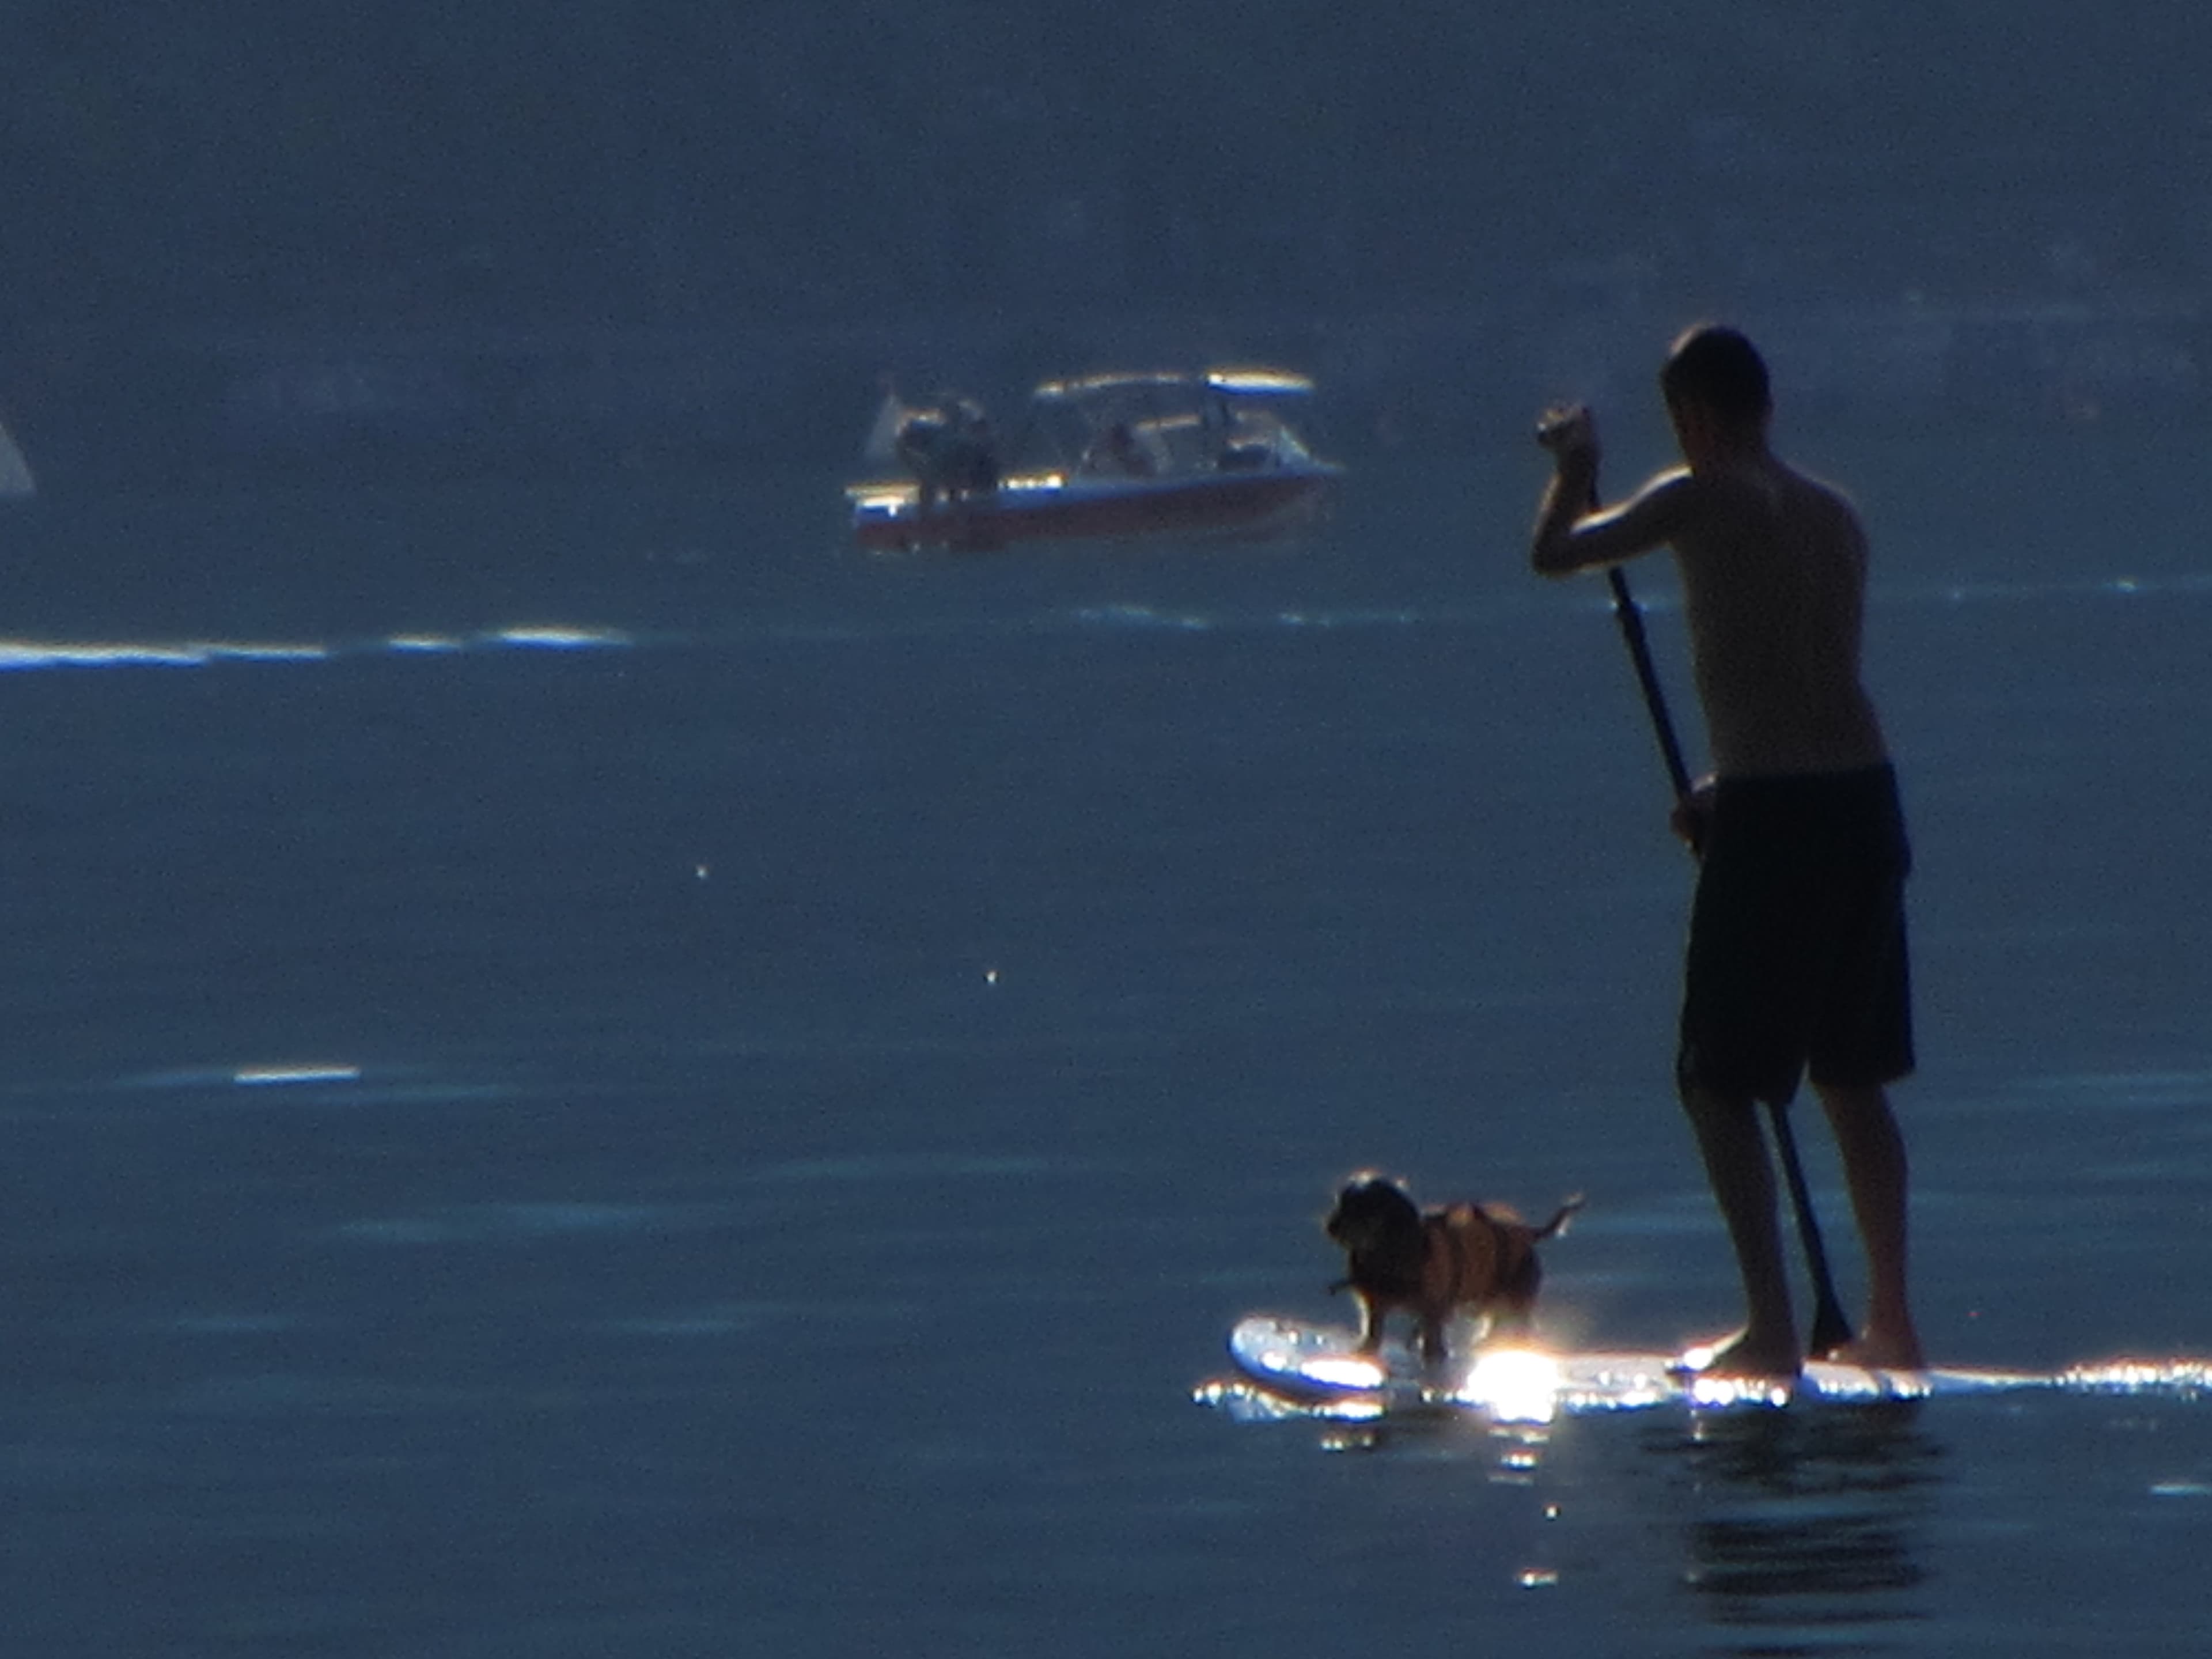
pixel 442 163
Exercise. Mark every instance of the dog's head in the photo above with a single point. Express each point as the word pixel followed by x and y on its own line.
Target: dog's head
pixel 1373 1214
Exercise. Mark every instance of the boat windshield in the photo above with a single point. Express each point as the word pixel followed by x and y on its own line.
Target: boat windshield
pixel 1170 425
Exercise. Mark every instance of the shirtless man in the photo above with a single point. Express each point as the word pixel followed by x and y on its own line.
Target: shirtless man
pixel 1796 955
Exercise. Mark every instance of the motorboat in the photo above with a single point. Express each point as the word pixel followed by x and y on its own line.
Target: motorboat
pixel 1212 454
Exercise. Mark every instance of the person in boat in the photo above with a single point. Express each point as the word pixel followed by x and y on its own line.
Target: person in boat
pixel 950 449
pixel 1246 441
pixel 1118 452
pixel 1796 960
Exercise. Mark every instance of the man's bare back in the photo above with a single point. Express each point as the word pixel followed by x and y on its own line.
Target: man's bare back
pixel 1774 581
pixel 1773 568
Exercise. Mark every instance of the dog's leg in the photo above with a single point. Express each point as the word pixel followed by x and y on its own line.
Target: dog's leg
pixel 1370 1322
pixel 1433 1337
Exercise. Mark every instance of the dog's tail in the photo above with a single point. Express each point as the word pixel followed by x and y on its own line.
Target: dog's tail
pixel 1557 1223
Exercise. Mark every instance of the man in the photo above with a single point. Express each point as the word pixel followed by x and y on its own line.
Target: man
pixel 1796 960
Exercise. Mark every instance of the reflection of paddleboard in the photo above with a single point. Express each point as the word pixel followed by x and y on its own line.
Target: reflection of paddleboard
pixel 1289 1367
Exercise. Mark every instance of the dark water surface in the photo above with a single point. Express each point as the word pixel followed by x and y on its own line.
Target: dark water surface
pixel 603 1077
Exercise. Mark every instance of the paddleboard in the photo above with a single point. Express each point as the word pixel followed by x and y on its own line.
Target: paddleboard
pixel 1288 1367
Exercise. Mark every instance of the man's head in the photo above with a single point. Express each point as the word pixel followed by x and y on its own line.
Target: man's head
pixel 1716 387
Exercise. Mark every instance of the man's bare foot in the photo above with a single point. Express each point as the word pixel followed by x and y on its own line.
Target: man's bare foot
pixel 1746 1358
pixel 1881 1351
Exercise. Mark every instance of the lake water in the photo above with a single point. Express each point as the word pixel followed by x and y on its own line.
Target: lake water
pixel 589 1073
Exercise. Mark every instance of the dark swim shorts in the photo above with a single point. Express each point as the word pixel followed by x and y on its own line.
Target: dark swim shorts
pixel 1797 957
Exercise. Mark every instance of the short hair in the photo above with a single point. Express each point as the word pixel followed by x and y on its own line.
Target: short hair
pixel 1718 367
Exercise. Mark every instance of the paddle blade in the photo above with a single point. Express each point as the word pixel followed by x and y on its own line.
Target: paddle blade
pixel 1831 1330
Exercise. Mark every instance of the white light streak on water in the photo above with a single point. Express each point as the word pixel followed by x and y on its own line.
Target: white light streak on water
pixel 26 655
pixel 264 1076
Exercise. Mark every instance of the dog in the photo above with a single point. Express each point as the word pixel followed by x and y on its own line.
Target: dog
pixel 1435 1261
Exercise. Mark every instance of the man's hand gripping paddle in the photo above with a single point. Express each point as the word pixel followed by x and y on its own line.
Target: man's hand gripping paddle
pixel 1831 1330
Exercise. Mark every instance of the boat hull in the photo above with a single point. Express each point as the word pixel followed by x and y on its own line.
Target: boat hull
pixel 1047 507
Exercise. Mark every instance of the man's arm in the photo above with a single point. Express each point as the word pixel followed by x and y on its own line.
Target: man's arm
pixel 1570 534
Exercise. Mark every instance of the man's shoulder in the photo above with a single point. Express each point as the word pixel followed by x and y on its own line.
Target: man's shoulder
pixel 1721 513
pixel 1698 506
pixel 1673 494
pixel 1830 497
pixel 1828 516
pixel 1775 491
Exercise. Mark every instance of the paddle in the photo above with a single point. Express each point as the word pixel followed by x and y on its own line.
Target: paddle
pixel 1831 1330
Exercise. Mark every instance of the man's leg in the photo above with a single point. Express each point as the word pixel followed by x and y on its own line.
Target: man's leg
pixel 1735 1150
pixel 1875 1171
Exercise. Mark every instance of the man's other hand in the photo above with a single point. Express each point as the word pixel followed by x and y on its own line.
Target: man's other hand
pixel 1692 820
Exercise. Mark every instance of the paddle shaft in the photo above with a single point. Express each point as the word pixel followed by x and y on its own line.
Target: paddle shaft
pixel 1830 1328
pixel 1630 617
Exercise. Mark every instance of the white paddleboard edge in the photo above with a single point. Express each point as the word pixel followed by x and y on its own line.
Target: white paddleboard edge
pixel 1304 1369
